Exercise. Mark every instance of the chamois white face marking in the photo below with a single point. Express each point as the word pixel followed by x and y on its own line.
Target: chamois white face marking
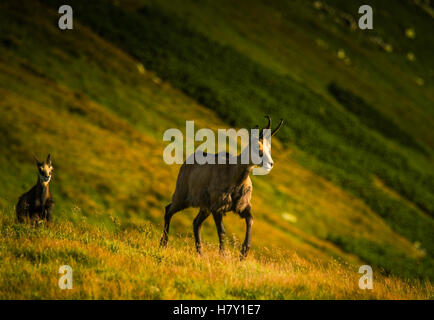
pixel 45 170
pixel 264 150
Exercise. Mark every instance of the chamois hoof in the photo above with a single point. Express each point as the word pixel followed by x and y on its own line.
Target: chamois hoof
pixel 163 242
pixel 244 252
pixel 199 251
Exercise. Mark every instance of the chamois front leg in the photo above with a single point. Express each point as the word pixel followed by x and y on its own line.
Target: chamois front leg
pixel 22 210
pixel 247 241
pixel 48 210
pixel 167 217
pixel 218 219
pixel 170 210
pixel 197 223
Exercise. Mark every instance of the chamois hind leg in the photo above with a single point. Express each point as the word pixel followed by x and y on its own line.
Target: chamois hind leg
pixel 218 219
pixel 170 210
pixel 197 223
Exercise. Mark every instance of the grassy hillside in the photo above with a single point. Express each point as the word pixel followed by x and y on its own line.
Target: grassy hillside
pixel 352 183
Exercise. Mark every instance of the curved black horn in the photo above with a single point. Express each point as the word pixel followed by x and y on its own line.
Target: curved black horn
pixel 261 132
pixel 277 128
pixel 269 122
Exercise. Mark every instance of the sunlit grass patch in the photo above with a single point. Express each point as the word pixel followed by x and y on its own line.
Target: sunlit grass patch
pixel 138 269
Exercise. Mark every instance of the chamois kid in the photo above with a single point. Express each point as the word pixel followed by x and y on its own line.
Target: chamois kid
pixel 217 189
pixel 37 204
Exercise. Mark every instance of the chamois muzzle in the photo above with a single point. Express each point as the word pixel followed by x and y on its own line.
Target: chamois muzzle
pixel 44 178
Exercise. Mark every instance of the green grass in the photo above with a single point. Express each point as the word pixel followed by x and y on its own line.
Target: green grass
pixel 392 261
pixel 372 118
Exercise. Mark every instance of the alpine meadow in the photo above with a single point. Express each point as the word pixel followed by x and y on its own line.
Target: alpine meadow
pixel 353 176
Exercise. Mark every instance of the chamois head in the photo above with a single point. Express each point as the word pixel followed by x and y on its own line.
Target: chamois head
pixel 263 146
pixel 45 169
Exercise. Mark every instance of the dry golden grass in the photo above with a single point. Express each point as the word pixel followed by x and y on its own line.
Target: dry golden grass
pixel 128 264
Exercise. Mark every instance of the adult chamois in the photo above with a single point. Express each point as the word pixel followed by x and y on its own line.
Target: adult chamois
pixel 217 189
pixel 37 204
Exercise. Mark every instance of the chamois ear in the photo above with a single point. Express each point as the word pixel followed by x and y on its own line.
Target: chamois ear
pixel 36 160
pixel 49 159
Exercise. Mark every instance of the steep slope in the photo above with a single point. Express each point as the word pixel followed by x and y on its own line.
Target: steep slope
pixel 83 97
pixel 338 145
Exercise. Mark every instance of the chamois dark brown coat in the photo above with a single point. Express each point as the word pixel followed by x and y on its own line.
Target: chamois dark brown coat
pixel 215 189
pixel 37 204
